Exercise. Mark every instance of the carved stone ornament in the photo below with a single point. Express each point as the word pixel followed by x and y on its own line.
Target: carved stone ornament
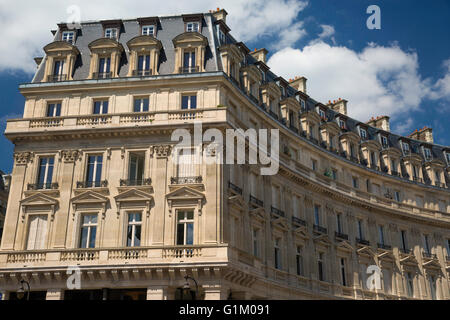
pixel 22 158
pixel 161 151
pixel 70 155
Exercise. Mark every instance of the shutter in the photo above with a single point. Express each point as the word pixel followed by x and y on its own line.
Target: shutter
pixel 41 234
pixel 32 230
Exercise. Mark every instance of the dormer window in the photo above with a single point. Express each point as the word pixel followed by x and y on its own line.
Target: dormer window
pixel 189 64
pixel 447 156
pixel 384 141
pixel 427 153
pixel 342 124
pixel 58 71
pixel 222 38
pixel 148 30
pixel 111 33
pixel 104 68
pixel 192 27
pixel 68 36
pixel 363 133
pixel 54 110
pixel 322 114
pixel 405 147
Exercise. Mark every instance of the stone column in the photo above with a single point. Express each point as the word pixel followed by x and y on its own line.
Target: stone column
pixel 55 294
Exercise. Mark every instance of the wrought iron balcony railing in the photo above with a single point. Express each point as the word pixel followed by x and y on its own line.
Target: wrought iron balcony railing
pixel 362 241
pixel 319 229
pixel 298 221
pixel 102 75
pixel 395 173
pixel 189 69
pixel 276 211
pixel 256 201
pixel 57 78
pixel 384 246
pixel 133 183
pixel 254 99
pixel 273 114
pixel 406 251
pixel 235 188
pixel 340 235
pixel 92 184
pixel 429 255
pixel 43 186
pixel 293 129
pixel 313 140
pixel 186 180
pixel 142 73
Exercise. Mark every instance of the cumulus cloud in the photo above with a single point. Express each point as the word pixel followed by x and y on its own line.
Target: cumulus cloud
pixel 327 31
pixel 441 89
pixel 378 80
pixel 25 25
pixel 290 36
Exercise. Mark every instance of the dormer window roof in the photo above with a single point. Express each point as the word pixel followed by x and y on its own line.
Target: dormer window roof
pixel 66 34
pixel 193 22
pixel 149 26
pixel 112 28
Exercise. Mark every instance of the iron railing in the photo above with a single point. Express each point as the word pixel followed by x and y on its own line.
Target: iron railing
pixel 235 188
pixel 256 201
pixel 132 183
pixel 43 186
pixel 92 184
pixel 186 180
pixel 57 77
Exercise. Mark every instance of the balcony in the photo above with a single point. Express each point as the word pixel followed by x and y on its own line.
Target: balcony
pixel 292 128
pixel 92 184
pixel 277 212
pixel 341 236
pixel 189 69
pixel 273 114
pixel 429 255
pixel 320 229
pixel 254 99
pixel 374 167
pixel 186 180
pixel 384 246
pixel 42 186
pixel 313 140
pixel 142 73
pixel 298 221
pixel 253 200
pixel 362 242
pixel 395 173
pixel 235 188
pixel 406 251
pixel 133 183
pixel 102 75
pixel 57 78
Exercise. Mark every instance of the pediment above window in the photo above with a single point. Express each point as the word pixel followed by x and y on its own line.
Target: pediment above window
pixel 237 201
pixel 144 42
pixel 331 127
pixel 132 197
pixel 371 144
pixel 90 199
pixel 392 151
pixel 253 72
pixel 344 245
pixel 39 201
pixel 185 196
pixel 311 116
pixel 190 38
pixel 280 223
pixel 323 240
pixel 105 44
pixel 60 48
pixel 350 135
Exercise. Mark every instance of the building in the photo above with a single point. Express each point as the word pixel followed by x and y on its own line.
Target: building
pixel 4 185
pixel 96 190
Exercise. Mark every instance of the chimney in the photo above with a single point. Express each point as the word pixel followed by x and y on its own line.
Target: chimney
pixel 260 54
pixel 381 122
pixel 220 14
pixel 425 134
pixel 338 106
pixel 299 83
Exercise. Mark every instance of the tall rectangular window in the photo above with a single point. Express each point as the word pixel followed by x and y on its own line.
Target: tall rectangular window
pixel 54 110
pixel 387 281
pixel 136 169
pixel 141 105
pixel 58 71
pixel 101 107
pixel 320 267
pixel 185 228
pixel 37 232
pixel 143 65
pixel 45 174
pixel 343 272
pixel 88 231
pixel 134 229
pixel 317 215
pixel 277 253
pixel 381 234
pixel 448 247
pixel 409 284
pixel 360 229
pixel 432 281
pixel 104 67
pixel 403 239
pixel 189 63
pixel 148 30
pixel 339 222
pixel 189 102
pixel 186 163
pixel 314 164
pixel 255 236
pixel 363 134
pixel 426 244
pixel 405 148
pixel 94 171
pixel 299 261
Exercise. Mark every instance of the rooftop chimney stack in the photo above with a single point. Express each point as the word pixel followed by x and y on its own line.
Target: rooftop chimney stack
pixel 425 134
pixel 260 54
pixel 381 122
pixel 299 83
pixel 338 106
pixel 220 14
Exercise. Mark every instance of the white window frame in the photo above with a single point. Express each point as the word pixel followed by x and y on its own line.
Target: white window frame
pixel 185 221
pixel 133 224
pixel 147 28
pixel 112 33
pixel 68 36
pixel 88 225
pixel 363 133
pixel 192 27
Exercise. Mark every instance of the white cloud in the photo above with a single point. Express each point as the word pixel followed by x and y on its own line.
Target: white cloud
pixel 377 81
pixel 290 36
pixel 404 127
pixel 441 89
pixel 25 25
pixel 327 31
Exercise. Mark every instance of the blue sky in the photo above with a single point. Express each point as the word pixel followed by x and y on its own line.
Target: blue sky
pixel 402 70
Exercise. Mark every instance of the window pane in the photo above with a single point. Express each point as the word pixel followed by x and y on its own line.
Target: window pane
pixel 180 234
pixel 129 236
pixel 83 240
pixel 190 215
pixel 145 105
pixel 185 102
pixel 190 234
pixel 92 237
pixel 137 236
pixel 193 102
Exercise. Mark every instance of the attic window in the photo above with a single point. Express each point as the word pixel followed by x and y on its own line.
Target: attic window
pixel 148 30
pixel 322 114
pixel 427 153
pixel 384 141
pixel 192 27
pixel 222 38
pixel 342 124
pixel 447 154
pixel 111 33
pixel 303 104
pixel 405 147
pixel 68 36
pixel 363 133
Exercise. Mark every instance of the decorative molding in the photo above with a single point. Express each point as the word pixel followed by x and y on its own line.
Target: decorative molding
pixel 69 155
pixel 23 158
pixel 162 151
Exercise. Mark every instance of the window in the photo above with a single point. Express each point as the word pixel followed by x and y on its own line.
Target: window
pixel 143 65
pixel 352 150
pixel 104 67
pixel 186 163
pixel 426 244
pixel 185 228
pixel 447 156
pixel 381 234
pixel 189 102
pixel 303 104
pixel 222 38
pixel 387 281
pixel 322 114
pixel 37 232
pixel 58 70
pixel 331 141
pixel 134 229
pixel 44 180
pixel 437 177
pixel 404 240
pixel 277 252
pixel 94 171
pixel 314 164
pixel 320 267
pixel 299 261
pixel 363 133
pixel 192 27
pixel 101 107
pixel 448 247
pixel 136 169
pixel 432 281
pixel 54 110
pixel 343 272
pixel 317 215
pixel 415 172
pixel 360 229
pixel 88 231
pixel 334 174
pixel 141 105
pixel 189 63
pixel 355 182
pixel 409 284
pixel 427 153
pixel 148 30
pixel 373 159
pixel 68 36
pixel 393 166
pixel 111 33
pixel 384 141
pixel 339 222
pixel 397 196
pixel 342 124
pixel 255 236
pixel 405 147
